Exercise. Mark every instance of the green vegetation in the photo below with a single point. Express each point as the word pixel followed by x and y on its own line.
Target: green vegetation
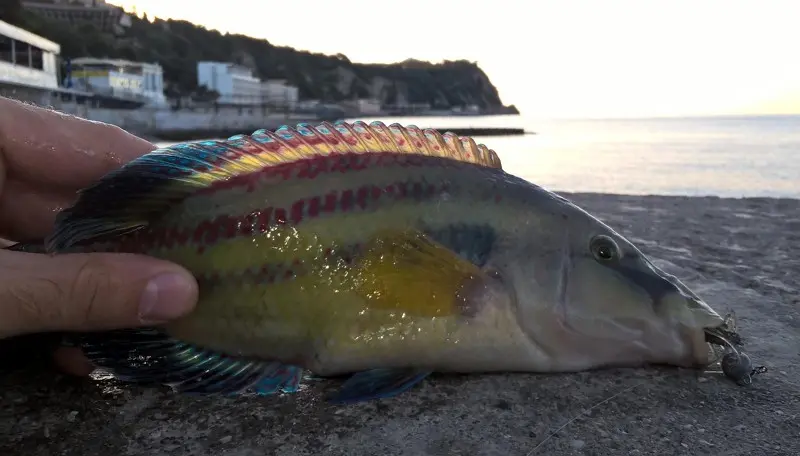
pixel 179 45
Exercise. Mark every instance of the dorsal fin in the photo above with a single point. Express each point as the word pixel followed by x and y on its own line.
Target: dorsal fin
pixel 126 200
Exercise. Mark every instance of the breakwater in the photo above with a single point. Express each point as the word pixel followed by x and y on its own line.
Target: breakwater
pixel 202 122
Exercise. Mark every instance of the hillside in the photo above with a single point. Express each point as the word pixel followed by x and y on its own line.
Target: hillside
pixel 179 45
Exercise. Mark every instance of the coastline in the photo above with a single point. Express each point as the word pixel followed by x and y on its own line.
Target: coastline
pixel 740 254
pixel 200 134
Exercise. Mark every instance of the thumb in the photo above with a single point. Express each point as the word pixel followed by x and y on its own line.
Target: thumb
pixel 85 292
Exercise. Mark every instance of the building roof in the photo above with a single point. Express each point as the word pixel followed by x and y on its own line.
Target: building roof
pixel 114 62
pixel 16 33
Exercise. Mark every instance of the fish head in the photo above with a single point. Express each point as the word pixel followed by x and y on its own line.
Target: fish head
pixel 590 298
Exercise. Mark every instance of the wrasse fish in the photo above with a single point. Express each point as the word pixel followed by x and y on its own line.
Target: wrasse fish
pixel 384 252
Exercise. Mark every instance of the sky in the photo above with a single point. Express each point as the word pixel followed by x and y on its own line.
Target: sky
pixel 558 58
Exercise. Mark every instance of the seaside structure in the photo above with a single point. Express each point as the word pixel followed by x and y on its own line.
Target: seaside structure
pixel 280 93
pixel 362 107
pixel 237 85
pixel 122 79
pixel 102 15
pixel 26 60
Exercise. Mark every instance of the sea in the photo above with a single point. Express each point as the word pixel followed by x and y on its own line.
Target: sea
pixel 741 156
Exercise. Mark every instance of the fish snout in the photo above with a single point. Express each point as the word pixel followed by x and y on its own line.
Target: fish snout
pixel 672 299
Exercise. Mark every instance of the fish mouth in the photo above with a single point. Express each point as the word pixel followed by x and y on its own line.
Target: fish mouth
pixel 723 336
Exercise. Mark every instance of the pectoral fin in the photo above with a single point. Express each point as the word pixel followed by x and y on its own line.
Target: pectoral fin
pixel 408 272
pixel 377 384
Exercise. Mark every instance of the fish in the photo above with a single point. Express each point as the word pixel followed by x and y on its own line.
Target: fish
pixel 382 253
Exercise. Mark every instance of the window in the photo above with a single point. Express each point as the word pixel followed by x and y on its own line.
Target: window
pixel 37 58
pixel 6 49
pixel 23 53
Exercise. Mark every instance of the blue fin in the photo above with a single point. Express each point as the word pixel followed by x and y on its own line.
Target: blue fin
pixel 377 384
pixel 149 356
pixel 129 198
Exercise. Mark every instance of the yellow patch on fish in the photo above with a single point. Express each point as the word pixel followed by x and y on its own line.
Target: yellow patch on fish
pixel 408 272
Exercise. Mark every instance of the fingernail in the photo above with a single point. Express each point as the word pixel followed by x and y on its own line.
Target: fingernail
pixel 167 296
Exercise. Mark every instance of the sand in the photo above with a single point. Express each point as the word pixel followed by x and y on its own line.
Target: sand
pixel 742 255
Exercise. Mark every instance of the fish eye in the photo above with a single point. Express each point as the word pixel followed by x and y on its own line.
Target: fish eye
pixel 604 249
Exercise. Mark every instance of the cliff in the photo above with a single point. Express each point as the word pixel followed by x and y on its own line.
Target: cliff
pixel 179 45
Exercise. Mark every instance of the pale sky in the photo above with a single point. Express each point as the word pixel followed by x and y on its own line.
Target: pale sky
pixel 558 58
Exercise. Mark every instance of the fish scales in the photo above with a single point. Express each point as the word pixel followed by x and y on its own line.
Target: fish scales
pixel 386 252
pixel 235 263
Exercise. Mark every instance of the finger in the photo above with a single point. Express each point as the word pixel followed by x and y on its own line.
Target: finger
pixel 28 214
pixel 84 292
pixel 72 361
pixel 51 148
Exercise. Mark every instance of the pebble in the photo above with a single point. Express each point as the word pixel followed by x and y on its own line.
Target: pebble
pixel 72 416
pixel 578 444
pixel 226 439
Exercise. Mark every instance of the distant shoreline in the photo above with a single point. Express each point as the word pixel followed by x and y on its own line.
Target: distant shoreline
pixel 196 135
pixel 677 198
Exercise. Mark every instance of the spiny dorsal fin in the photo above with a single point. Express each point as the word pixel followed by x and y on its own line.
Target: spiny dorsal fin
pixel 126 200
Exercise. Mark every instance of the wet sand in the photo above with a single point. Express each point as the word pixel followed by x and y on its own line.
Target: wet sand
pixel 741 255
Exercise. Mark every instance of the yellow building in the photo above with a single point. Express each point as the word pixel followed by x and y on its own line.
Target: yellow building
pixel 119 78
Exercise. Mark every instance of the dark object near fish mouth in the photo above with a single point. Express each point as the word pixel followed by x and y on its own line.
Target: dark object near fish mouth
pixel 736 364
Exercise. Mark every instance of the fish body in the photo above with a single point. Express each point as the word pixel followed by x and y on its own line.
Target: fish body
pixel 386 252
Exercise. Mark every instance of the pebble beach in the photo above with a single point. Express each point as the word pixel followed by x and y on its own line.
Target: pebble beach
pixel 741 255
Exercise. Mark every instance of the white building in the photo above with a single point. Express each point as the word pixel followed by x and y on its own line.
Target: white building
pixel 26 58
pixel 237 85
pixel 278 92
pixel 120 78
pixel 234 83
pixel 368 106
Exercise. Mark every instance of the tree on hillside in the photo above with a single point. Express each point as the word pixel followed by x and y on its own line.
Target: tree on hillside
pixel 11 11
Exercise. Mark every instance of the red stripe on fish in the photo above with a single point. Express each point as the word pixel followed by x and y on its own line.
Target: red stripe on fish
pixel 222 227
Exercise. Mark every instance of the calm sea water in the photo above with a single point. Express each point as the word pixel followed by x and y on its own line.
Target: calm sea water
pixel 722 156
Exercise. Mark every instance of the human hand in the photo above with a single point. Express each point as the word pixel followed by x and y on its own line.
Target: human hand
pixel 45 158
